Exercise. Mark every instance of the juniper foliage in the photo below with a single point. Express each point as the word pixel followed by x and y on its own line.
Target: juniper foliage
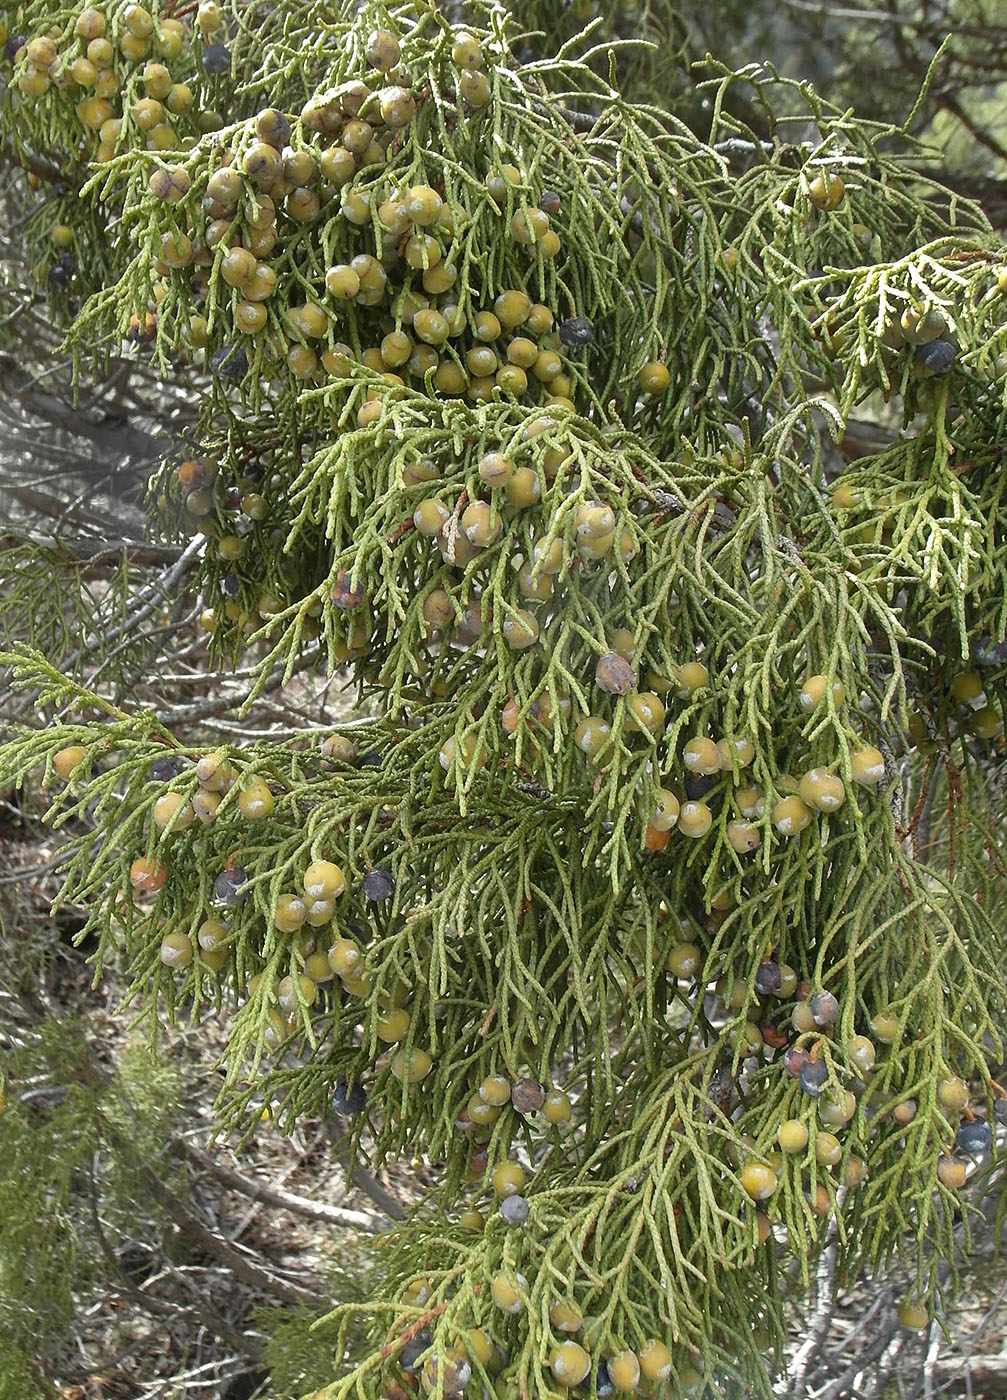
pixel 672 797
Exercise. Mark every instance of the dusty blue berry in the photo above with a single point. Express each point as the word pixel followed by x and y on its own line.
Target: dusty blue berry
pixel 813 1076
pixel 824 1008
pixel 514 1210
pixel 767 978
pixel 974 1138
pixel 162 770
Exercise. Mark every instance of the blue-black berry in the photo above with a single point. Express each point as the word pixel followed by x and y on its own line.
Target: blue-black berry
pixel 576 331
pixel 602 1381
pixel 767 978
pixel 217 58
pixel 824 1008
pixel 413 1350
pixel 162 770
pixel 348 1099
pixel 974 1138
pixel 229 362
pixel 937 356
pixel 379 883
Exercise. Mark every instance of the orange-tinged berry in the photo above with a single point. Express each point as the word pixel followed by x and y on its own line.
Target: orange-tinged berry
pixel 759 1181
pixel 654 839
pixel 147 875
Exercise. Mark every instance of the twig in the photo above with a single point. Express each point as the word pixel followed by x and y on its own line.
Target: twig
pixel 821 1321
pixel 822 10
pixel 359 1177
pixel 930 1360
pixel 240 1265
pixel 272 1195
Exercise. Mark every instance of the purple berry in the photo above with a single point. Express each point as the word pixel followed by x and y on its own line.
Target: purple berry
pixel 527 1095
pixel 602 1381
pixel 347 593
pixel 937 356
pixel 767 978
pixel 824 1008
pixel 229 362
pixel 231 886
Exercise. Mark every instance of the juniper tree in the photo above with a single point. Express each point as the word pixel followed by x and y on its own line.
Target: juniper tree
pixel 653 897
